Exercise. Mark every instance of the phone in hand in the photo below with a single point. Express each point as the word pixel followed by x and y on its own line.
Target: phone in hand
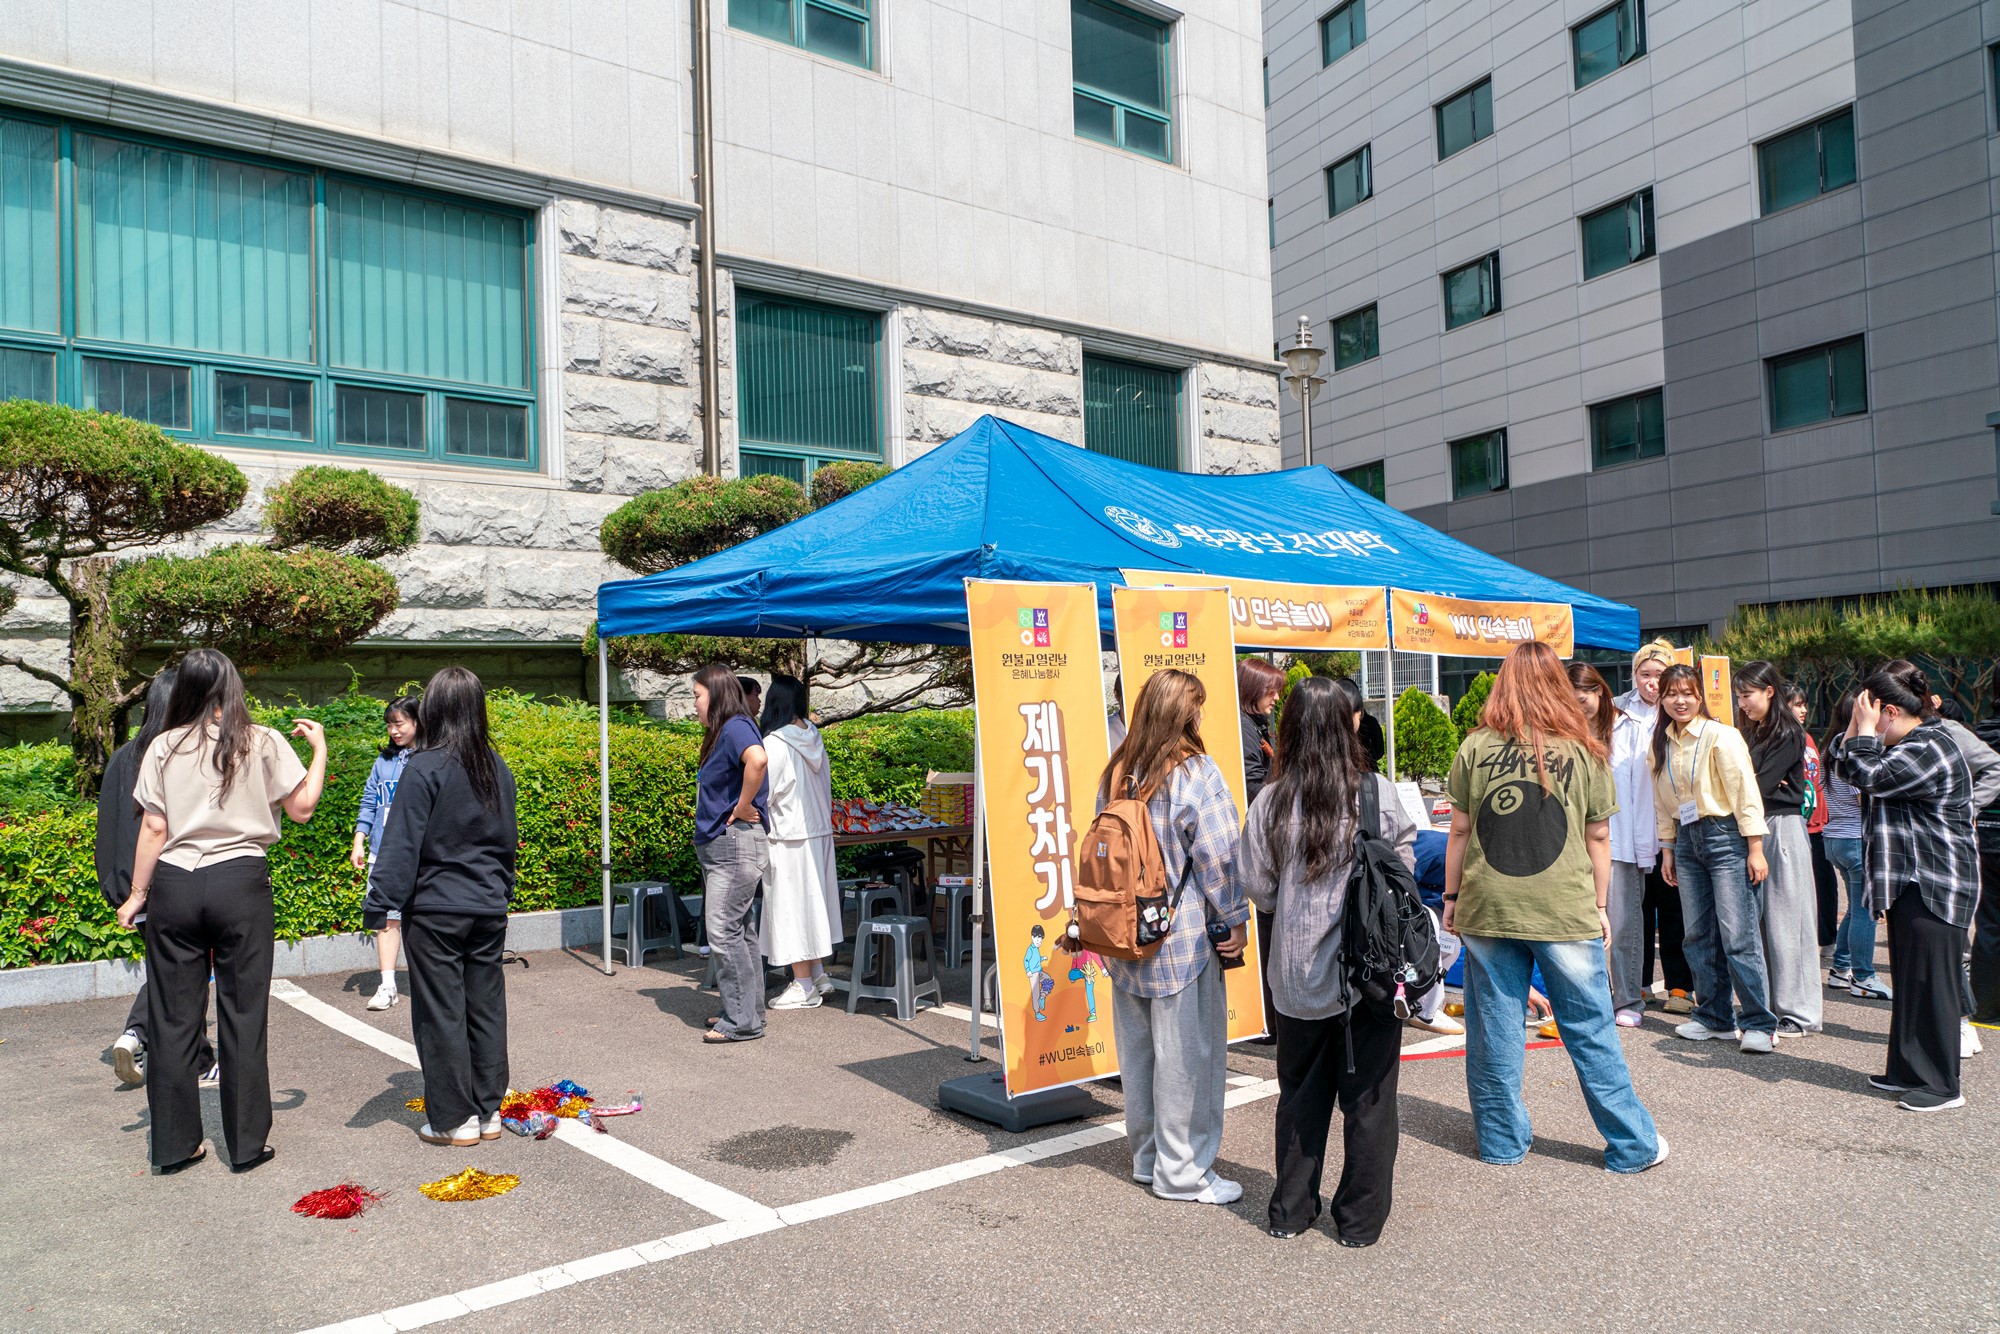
pixel 1218 933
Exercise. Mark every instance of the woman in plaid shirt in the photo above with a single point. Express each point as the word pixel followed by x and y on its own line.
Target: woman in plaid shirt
pixel 1922 872
pixel 1169 1011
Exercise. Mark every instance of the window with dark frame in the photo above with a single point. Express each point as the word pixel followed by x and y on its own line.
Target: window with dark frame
pixel 1370 477
pixel 1121 63
pixel 1818 384
pixel 1348 182
pixel 1356 338
pixel 1807 162
pixel 1472 291
pixel 1618 235
pixel 1342 30
pixel 1464 119
pixel 1479 464
pixel 808 386
pixel 836 28
pixel 1608 41
pixel 1626 430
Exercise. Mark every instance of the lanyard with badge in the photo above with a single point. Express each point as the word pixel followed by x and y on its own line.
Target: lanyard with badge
pixel 1688 812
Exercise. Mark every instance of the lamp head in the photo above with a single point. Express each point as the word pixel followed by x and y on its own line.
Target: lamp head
pixel 1302 358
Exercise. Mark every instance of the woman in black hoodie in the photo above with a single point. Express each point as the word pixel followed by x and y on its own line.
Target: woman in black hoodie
pixel 447 864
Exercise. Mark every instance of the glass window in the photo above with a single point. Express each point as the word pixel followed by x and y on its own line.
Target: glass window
pixel 1464 120
pixel 837 28
pixel 1479 465
pixel 1618 235
pixel 1818 384
pixel 27 374
pixel 1342 30
pixel 485 430
pixel 263 405
pixel 378 418
pixel 1271 210
pixel 807 377
pixel 1473 292
pixel 1120 66
pixel 1369 477
pixel 184 250
pixel 1609 40
pixel 1807 162
pixel 1348 182
pixel 1356 338
pixel 1626 429
pixel 1132 412
pixel 1614 665
pixel 144 391
pixel 30 271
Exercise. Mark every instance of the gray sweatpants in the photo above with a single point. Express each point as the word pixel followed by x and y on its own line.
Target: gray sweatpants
pixel 1791 924
pixel 731 866
pixel 1171 1054
pixel 1626 907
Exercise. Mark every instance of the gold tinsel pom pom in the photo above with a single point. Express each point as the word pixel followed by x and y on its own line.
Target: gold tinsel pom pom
pixel 415 1104
pixel 571 1107
pixel 471 1184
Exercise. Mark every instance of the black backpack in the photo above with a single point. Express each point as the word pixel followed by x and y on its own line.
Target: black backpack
pixel 1388 937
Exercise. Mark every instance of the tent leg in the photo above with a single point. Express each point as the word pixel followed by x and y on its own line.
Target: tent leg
pixel 604 791
pixel 978 902
pixel 1389 712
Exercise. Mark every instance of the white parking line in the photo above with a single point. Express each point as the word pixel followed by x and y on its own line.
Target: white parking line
pixel 658 1173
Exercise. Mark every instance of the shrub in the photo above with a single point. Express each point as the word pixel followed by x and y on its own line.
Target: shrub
pixel 1465 713
pixel 699 517
pixel 1426 740
pixel 842 478
pixel 349 510
pixel 1331 664
pixel 1294 674
pixel 51 910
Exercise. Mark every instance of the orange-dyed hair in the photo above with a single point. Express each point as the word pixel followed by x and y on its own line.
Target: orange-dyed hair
pixel 1533 703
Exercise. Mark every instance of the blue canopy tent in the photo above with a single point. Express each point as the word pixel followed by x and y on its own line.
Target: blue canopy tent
pixel 998 501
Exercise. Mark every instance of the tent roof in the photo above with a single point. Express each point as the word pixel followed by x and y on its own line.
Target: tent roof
pixel 999 501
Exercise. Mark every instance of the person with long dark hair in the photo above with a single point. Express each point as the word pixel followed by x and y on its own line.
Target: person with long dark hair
pixel 1791 896
pixel 1333 1046
pixel 1170 1012
pixel 1853 968
pixel 378 794
pixel 1527 878
pixel 802 889
pixel 1710 816
pixel 118 820
pixel 1923 874
pixel 1258 685
pixel 1625 905
pixel 1826 885
pixel 210 787
pixel 446 863
pixel 732 844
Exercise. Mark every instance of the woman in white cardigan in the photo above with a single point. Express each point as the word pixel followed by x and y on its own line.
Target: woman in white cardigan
pixel 801 890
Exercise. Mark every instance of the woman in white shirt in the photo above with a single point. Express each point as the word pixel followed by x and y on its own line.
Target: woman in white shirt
pixel 1635 853
pixel 802 889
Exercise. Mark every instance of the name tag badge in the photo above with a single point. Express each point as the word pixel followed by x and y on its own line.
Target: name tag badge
pixel 1688 815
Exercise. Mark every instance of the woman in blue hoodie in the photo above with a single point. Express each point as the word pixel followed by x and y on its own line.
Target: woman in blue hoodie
pixel 405 731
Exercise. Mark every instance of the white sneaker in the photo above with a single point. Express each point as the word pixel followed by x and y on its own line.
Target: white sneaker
pixel 1969 1044
pixel 384 997
pixel 1437 1023
pixel 128 1058
pixel 1694 1030
pixel 797 995
pixel 1658 1158
pixel 211 1077
pixel 1756 1042
pixel 1219 1190
pixel 463 1137
pixel 490 1127
pixel 823 984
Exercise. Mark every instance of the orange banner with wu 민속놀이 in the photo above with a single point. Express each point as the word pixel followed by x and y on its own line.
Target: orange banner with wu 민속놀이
pixel 1716 690
pixel 1191 629
pixel 1290 617
pixel 1472 628
pixel 1039 686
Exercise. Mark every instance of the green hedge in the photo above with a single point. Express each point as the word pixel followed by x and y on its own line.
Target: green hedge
pixel 51 911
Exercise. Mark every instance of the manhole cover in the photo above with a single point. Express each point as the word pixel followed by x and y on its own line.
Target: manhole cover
pixel 780 1148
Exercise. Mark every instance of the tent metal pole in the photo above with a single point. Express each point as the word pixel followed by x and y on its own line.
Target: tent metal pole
pixel 604 790
pixel 1389 709
pixel 978 901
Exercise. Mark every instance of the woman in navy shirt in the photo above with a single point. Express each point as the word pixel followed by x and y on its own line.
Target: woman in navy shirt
pixel 731 844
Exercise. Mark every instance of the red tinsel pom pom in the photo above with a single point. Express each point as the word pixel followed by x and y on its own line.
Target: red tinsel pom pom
pixel 343 1201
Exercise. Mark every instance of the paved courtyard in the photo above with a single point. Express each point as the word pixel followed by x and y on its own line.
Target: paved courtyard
pixel 809 1181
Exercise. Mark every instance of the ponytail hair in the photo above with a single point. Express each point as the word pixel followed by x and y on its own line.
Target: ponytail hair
pixel 1903 684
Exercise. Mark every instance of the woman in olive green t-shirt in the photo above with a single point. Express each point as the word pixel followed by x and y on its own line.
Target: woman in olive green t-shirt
pixel 1526 872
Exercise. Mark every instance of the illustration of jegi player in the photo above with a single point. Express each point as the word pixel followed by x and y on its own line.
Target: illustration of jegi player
pixel 1087 968
pixel 1036 962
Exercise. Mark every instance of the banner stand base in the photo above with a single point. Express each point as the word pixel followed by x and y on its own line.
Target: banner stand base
pixel 985 1097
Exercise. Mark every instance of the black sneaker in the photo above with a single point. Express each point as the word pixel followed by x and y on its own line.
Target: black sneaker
pixel 1923 1100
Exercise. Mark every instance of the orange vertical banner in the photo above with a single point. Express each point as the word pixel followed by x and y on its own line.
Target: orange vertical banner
pixel 1716 691
pixel 1192 629
pixel 1039 684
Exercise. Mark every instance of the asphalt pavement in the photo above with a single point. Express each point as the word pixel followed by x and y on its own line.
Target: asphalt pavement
pixel 810 1181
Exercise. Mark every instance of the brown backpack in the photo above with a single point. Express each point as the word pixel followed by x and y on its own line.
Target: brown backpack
pixel 1121 908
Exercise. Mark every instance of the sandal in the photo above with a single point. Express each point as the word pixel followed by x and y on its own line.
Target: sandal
pixel 264 1155
pixel 183 1165
pixel 713 1036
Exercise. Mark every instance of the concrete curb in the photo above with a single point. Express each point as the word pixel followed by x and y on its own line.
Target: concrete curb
pixel 54 983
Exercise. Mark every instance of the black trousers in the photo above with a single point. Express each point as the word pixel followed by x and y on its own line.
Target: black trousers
pixel 1986 941
pixel 1312 1076
pixel 220 916
pixel 1925 954
pixel 137 1022
pixel 1264 921
pixel 1826 891
pixel 458 1013
pixel 1661 911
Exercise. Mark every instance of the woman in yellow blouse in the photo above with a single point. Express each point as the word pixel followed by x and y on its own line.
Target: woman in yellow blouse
pixel 1711 826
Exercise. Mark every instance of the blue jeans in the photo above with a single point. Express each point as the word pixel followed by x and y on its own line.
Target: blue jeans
pixel 1496 1008
pixel 1725 940
pixel 1854 943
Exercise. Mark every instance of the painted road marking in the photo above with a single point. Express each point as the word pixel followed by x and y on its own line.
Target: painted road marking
pixel 658 1173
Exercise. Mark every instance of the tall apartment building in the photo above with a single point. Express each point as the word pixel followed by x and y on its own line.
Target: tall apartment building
pixel 1691 303
pixel 451 241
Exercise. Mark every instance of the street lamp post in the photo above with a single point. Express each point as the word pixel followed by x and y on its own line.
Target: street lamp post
pixel 1303 359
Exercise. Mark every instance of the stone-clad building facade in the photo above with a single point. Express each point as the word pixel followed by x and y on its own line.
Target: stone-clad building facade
pixel 923 208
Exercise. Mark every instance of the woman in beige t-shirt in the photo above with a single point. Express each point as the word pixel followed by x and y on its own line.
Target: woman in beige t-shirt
pixel 209 791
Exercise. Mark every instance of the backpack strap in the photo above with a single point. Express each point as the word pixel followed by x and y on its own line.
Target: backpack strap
pixel 1371 807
